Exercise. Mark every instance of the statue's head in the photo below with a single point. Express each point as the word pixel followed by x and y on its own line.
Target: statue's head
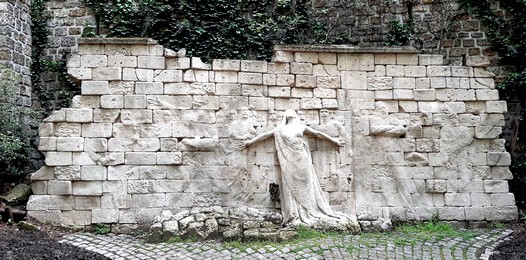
pixel 290 115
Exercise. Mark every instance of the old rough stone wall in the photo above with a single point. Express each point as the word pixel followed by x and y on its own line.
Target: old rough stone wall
pixel 15 42
pixel 156 131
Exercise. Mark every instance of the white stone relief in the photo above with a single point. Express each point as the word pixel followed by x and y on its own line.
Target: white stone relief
pixel 302 199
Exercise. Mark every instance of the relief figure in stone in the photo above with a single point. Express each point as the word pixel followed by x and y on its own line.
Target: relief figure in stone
pixel 302 199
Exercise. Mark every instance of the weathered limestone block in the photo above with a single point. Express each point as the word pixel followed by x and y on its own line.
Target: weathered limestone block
pixel 168 76
pixel 426 59
pixel 384 58
pixel 496 106
pixel 107 73
pixel 94 130
pixel 122 61
pixel 149 62
pixel 436 186
pixel 95 88
pixel 197 63
pixel 58 158
pixel 503 199
pixel 380 83
pixel 254 66
pixel 148 200
pixel 495 186
pixel 406 59
pixel 301 68
pixel 499 159
pixel 70 144
pixel 140 158
pixel 452 213
pixel 305 81
pixel 363 62
pixel 79 115
pixel 104 216
pixel 501 213
pixel 93 173
pixel 87 188
pixel 283 56
pixel 232 65
pixel 55 187
pixel 150 88
pixel 169 158
pixel 487 132
pixel 93 61
pixel 354 80
pixel 415 71
pixel 79 74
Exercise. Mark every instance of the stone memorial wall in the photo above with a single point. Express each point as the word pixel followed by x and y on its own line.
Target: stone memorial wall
pixel 156 132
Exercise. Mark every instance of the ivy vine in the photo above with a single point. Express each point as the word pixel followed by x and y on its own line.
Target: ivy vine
pixel 506 34
pixel 213 29
pixel 49 96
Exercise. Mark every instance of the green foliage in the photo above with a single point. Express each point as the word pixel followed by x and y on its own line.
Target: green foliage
pixel 15 128
pixel 427 230
pixel 213 29
pixel 51 96
pixel 507 35
pixel 399 34
pixel 101 229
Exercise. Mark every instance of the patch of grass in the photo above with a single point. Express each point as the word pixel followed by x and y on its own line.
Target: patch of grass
pixel 304 232
pixel 497 224
pixel 436 230
pixel 178 239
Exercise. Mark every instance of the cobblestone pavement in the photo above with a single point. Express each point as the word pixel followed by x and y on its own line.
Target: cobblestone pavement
pixel 476 244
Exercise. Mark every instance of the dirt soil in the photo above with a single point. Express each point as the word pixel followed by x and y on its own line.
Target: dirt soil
pixel 23 244
pixel 513 249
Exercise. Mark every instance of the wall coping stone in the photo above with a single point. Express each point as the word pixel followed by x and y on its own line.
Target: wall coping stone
pixel 344 49
pixel 129 41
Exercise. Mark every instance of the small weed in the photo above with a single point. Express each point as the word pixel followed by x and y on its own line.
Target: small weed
pixel 177 239
pixel 497 224
pixel 101 229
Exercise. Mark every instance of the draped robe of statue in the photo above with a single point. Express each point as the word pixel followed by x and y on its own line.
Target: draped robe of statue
pixel 302 199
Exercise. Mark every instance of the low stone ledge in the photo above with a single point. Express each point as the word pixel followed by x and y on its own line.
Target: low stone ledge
pixel 124 41
pixel 344 49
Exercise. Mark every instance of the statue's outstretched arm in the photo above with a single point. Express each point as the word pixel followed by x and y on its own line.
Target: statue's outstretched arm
pixel 323 135
pixel 256 139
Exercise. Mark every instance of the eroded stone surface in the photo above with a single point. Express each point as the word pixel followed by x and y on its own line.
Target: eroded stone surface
pixel 163 136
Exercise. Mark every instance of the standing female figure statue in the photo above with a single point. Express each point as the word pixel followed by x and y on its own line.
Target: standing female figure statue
pixel 303 201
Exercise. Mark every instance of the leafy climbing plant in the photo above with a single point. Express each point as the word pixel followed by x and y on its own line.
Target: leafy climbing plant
pixel 213 29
